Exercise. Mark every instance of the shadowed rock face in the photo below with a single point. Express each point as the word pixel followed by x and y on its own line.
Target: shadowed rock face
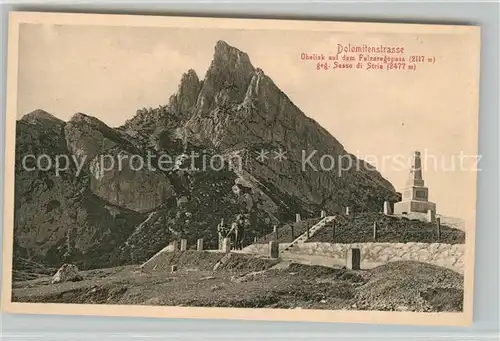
pixel 115 175
pixel 140 190
pixel 102 217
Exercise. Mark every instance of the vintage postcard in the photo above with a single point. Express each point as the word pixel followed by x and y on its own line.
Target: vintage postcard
pixel 240 168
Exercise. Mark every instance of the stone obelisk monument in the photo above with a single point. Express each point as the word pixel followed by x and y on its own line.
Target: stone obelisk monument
pixel 415 195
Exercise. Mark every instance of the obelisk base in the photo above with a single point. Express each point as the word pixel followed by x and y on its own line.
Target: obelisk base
pixel 411 206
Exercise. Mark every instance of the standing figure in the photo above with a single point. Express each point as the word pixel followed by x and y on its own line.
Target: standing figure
pixel 235 227
pixel 244 223
pixel 222 230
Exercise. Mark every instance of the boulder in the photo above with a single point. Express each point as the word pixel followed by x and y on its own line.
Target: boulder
pixel 67 273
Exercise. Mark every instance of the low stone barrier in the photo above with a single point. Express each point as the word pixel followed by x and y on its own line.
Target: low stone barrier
pixel 446 255
pixel 262 249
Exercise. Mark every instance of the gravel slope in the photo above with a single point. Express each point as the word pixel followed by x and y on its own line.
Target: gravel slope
pixel 245 281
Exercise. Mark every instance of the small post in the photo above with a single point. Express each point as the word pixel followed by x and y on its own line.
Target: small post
pixel 353 259
pixel 438 228
pixel 226 245
pixel 174 245
pixel 347 210
pixel 387 208
pixel 297 217
pixel 374 231
pixel 333 230
pixel 323 213
pixel 173 268
pixel 255 240
pixel 183 244
pixel 199 244
pixel 431 216
pixel 275 233
pixel 273 249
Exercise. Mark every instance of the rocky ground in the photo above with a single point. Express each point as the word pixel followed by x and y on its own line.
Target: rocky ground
pixel 248 281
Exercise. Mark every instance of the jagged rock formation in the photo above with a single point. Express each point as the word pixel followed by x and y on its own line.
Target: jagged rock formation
pixel 96 215
pixel 240 108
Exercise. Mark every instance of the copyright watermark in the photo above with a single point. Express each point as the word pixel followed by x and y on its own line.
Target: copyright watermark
pixel 310 161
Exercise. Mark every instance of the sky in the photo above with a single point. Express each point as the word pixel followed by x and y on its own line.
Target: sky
pixel 111 71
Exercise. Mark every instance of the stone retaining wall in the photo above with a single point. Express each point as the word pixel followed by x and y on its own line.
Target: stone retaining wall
pixel 262 249
pixel 447 255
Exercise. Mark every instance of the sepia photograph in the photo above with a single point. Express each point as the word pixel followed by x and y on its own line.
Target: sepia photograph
pixel 290 170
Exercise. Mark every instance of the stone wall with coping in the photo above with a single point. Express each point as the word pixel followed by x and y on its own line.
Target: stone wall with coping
pixel 446 255
pixel 263 249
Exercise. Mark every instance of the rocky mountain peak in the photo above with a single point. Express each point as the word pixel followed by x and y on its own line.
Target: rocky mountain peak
pixel 40 115
pixel 230 60
pixel 187 94
pixel 80 119
pixel 226 80
pixel 231 57
pixel 189 78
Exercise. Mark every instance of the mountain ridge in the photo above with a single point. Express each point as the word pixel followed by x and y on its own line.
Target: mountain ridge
pixel 104 217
